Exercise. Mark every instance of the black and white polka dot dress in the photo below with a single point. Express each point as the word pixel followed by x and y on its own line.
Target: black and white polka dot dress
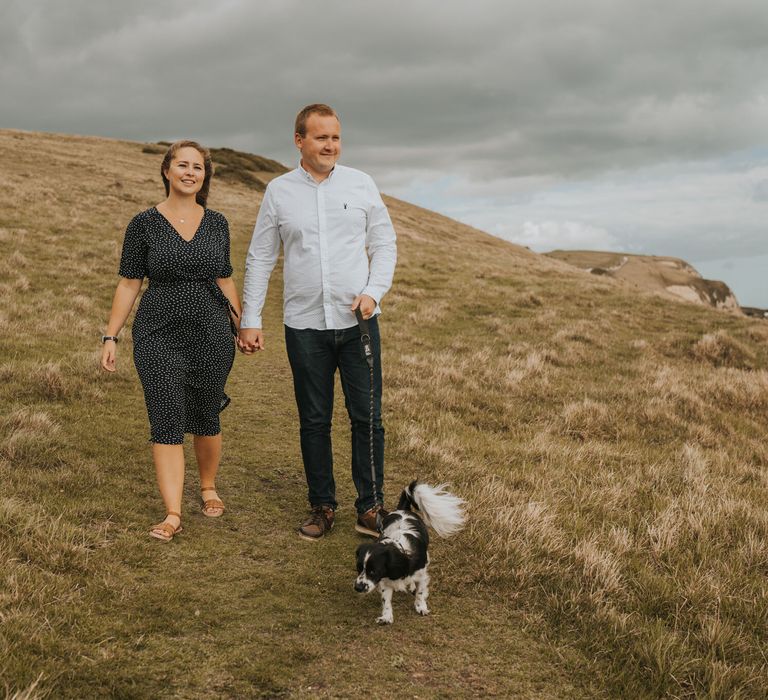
pixel 183 347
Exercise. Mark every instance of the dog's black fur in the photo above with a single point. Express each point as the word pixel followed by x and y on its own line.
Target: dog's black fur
pixel 398 560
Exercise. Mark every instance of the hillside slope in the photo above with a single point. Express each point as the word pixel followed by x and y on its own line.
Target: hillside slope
pixel 663 274
pixel 611 446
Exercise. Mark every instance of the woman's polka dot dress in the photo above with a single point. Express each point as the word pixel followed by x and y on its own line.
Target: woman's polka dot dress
pixel 183 347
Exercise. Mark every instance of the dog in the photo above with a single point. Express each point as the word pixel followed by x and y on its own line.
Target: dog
pixel 398 560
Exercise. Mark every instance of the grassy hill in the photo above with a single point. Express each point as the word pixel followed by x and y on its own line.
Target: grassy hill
pixel 663 274
pixel 612 447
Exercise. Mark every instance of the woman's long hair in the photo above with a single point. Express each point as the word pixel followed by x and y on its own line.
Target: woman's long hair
pixel 202 196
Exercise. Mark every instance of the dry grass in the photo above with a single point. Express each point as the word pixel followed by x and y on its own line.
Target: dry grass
pixel 31 692
pixel 624 527
pixel 721 350
pixel 29 439
pixel 611 446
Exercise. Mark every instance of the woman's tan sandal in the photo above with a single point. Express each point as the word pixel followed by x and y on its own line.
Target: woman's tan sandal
pixel 212 507
pixel 165 531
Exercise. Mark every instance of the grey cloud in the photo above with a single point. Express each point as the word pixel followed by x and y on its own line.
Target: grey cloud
pixel 760 191
pixel 598 121
pixel 488 88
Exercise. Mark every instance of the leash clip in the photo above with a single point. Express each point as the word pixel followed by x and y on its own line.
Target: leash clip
pixel 367 349
pixel 365 337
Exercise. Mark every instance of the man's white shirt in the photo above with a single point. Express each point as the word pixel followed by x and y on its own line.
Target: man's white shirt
pixel 328 230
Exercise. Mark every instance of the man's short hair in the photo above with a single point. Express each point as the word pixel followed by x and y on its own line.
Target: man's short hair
pixel 301 117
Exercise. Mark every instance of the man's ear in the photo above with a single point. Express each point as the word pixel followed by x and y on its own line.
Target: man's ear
pixel 298 140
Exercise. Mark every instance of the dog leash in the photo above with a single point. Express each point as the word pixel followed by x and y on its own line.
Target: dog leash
pixel 365 340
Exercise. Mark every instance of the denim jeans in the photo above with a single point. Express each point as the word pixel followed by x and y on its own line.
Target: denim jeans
pixel 314 356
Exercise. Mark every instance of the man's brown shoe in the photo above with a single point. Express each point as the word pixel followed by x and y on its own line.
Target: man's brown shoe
pixel 368 522
pixel 318 524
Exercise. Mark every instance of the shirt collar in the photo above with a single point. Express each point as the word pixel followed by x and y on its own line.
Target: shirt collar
pixel 309 178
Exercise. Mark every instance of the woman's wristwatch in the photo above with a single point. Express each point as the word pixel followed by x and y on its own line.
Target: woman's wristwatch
pixel 105 338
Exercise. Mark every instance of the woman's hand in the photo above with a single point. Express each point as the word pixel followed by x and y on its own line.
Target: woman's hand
pixel 250 340
pixel 108 353
pixel 128 289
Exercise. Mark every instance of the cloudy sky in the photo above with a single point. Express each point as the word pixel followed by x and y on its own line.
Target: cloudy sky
pixel 599 124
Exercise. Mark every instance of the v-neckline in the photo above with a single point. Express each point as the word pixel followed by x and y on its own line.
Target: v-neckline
pixel 176 231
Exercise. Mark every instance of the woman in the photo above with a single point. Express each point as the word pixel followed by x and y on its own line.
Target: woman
pixel 183 347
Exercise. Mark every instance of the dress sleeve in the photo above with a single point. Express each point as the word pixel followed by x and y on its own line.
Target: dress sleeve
pixel 133 261
pixel 226 268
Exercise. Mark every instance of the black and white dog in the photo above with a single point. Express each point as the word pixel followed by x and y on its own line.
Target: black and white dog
pixel 398 560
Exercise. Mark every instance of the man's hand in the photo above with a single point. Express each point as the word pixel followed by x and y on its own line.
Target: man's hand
pixel 249 340
pixel 367 305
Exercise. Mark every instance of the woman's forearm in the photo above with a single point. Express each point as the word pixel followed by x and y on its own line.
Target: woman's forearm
pixel 122 303
pixel 227 286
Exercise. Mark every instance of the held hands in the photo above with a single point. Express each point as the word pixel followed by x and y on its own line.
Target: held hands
pixel 108 352
pixel 249 340
pixel 367 305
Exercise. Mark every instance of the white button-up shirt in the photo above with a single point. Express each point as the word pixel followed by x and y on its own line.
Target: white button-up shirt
pixel 328 230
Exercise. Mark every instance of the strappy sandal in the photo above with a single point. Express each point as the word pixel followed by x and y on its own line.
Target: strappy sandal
pixel 166 528
pixel 211 504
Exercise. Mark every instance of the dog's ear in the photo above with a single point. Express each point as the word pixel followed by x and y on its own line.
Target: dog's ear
pixel 396 564
pixel 362 550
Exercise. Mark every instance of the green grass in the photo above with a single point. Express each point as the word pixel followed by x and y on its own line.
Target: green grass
pixel 611 447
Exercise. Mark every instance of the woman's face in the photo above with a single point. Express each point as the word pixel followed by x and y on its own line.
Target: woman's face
pixel 186 172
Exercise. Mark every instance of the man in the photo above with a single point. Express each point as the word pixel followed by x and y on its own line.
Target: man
pixel 340 252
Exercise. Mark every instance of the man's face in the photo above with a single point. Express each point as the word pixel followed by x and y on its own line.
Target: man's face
pixel 321 147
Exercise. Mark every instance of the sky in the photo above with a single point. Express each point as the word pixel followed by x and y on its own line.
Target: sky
pixel 620 125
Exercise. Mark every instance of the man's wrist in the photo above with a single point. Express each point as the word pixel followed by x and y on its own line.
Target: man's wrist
pixel 250 320
pixel 373 294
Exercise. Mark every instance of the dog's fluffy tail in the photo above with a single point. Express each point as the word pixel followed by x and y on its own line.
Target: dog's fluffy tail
pixel 439 508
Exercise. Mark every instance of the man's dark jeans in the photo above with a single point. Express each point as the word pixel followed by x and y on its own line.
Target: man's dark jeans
pixel 314 356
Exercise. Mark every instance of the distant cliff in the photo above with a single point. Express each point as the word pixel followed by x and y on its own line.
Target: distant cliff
pixel 654 272
pixel 755 312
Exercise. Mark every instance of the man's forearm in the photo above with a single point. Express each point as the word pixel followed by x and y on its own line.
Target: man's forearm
pixel 383 258
pixel 381 245
pixel 259 263
pixel 254 294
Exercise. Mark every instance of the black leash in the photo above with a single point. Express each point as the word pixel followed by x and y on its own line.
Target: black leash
pixel 365 339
